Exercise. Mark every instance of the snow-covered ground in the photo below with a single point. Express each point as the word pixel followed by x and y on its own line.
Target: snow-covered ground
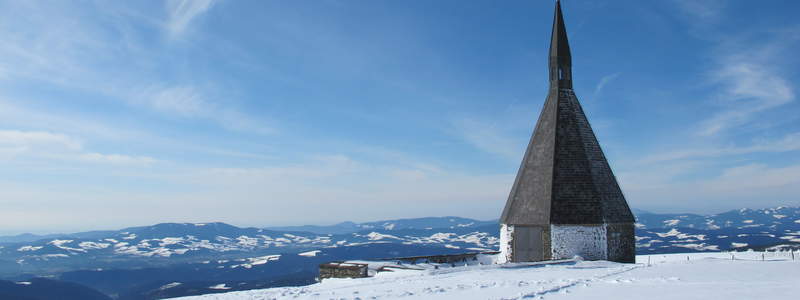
pixel 745 275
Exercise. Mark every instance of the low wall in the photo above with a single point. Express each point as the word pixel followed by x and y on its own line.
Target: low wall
pixel 342 270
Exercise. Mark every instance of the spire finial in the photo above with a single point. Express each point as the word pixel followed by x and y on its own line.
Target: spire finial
pixel 560 57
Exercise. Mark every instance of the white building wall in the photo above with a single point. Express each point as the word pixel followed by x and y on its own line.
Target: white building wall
pixel 588 242
pixel 506 236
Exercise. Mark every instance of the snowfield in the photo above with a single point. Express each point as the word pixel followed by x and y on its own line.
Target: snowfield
pixel 719 275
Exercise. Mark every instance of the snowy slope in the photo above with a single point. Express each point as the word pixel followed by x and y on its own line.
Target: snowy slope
pixel 672 276
pixel 140 260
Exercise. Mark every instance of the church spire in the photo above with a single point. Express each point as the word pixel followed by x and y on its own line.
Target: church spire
pixel 560 58
pixel 565 200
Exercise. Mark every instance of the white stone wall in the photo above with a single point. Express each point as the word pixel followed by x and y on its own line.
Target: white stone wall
pixel 506 236
pixel 588 242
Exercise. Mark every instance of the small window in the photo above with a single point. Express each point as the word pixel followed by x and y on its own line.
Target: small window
pixel 560 73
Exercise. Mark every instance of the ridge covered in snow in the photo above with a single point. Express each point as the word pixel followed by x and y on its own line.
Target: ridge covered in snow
pixel 151 257
pixel 744 275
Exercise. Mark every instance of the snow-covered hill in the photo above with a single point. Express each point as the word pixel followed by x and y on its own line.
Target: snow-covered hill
pixel 399 224
pixel 738 219
pixel 656 233
pixel 770 228
pixel 182 242
pixel 669 277
pixel 194 254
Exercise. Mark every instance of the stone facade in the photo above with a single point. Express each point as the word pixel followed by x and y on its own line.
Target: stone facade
pixel 586 241
pixel 506 236
pixel 621 242
pixel 343 270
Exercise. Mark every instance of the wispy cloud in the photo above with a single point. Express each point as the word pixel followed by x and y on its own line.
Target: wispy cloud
pixel 75 54
pixel 286 191
pixel 190 102
pixel 333 184
pixel 707 11
pixel 748 185
pixel 18 145
pixel 180 13
pixel 755 176
pixel 27 139
pixel 182 100
pixel 487 137
pixel 747 66
pixel 750 88
pixel 790 142
pixel 603 82
pixel 118 159
pixel 749 81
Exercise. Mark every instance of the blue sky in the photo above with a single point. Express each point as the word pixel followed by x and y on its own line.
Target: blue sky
pixel 121 113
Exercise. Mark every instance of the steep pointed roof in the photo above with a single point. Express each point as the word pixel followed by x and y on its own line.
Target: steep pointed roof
pixel 560 62
pixel 559 43
pixel 564 177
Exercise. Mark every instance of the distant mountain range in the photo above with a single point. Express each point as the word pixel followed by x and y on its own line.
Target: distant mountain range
pixel 46 289
pixel 418 223
pixel 175 259
pixel 771 228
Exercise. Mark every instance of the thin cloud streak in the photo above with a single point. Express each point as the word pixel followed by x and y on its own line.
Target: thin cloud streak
pixel 190 102
pixel 749 70
pixel 603 82
pixel 182 100
pixel 17 138
pixel 749 82
pixel 790 142
pixel 278 194
pixel 750 185
pixel 21 146
pixel 76 53
pixel 707 11
pixel 180 13
pixel 751 88
pixel 486 137
pixel 118 159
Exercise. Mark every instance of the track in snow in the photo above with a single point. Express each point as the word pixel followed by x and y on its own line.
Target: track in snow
pixel 703 276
